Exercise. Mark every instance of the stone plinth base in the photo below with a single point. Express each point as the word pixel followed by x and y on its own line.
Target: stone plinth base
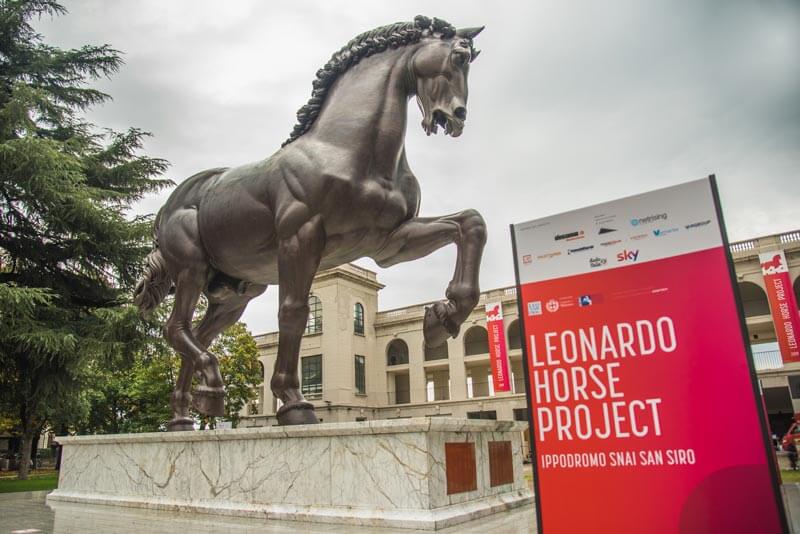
pixel 411 473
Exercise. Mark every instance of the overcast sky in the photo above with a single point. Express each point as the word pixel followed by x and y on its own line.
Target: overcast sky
pixel 571 103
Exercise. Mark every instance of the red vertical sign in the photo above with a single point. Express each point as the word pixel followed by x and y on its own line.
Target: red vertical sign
pixel 497 347
pixel 782 303
pixel 637 369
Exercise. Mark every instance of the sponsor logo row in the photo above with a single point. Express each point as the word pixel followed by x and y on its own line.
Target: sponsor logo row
pixel 576 235
pixel 649 219
pixel 598 261
pixel 623 256
pixel 580 234
pixel 537 307
pixel 605 223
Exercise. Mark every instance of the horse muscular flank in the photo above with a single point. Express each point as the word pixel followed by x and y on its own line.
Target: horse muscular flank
pixel 339 189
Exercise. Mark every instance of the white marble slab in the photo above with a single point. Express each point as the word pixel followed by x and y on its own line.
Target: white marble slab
pixel 378 473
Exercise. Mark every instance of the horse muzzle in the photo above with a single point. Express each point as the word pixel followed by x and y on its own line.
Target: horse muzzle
pixel 453 124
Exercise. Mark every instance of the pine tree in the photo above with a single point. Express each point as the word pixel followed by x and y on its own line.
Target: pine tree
pixel 69 255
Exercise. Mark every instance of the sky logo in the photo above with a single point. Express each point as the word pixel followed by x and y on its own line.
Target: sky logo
pixel 628 255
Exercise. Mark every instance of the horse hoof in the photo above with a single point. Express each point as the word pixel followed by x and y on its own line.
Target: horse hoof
pixel 433 328
pixel 297 413
pixel 180 424
pixel 209 401
pixel 207 370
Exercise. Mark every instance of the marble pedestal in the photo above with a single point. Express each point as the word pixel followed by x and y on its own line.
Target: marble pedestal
pixel 425 473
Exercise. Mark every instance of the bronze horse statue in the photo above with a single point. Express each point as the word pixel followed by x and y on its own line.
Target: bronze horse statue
pixel 339 189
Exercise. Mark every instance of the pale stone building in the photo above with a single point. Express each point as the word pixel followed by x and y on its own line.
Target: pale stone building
pixel 780 383
pixel 360 363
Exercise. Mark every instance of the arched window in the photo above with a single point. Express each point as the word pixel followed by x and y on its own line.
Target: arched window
pixel 397 352
pixel 514 335
pixel 437 353
pixel 754 299
pixel 261 367
pixel 358 319
pixel 314 324
pixel 476 341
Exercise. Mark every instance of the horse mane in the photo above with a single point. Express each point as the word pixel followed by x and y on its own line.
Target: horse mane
pixel 364 45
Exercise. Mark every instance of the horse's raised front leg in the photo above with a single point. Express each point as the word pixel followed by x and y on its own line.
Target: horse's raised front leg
pixel 419 237
pixel 298 260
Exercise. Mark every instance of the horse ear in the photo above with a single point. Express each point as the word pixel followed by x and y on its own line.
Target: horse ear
pixel 469 33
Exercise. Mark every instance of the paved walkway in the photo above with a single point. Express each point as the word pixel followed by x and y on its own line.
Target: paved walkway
pixel 25 510
pixel 27 513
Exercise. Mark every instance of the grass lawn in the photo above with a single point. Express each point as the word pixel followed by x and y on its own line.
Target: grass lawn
pixel 37 482
pixel 790 477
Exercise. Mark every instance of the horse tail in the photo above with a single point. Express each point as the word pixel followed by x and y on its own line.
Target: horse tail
pixel 156 283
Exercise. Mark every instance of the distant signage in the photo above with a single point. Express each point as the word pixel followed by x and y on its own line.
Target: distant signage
pixel 497 347
pixel 636 360
pixel 782 303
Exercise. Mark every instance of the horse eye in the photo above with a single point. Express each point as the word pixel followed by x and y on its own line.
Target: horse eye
pixel 460 58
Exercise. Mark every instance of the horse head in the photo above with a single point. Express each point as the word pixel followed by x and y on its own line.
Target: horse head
pixel 439 69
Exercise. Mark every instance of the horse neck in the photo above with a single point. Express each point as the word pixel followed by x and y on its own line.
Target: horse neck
pixel 366 112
